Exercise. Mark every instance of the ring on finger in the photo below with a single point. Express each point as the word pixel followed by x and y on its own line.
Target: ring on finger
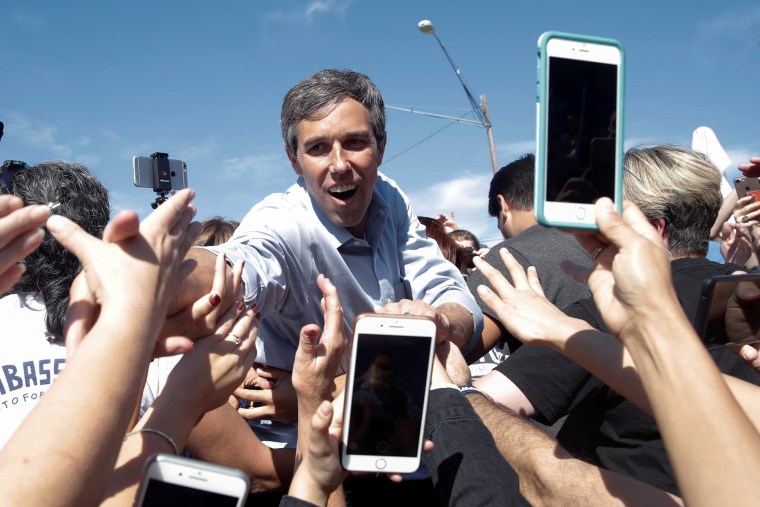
pixel 597 252
pixel 238 340
pixel 745 219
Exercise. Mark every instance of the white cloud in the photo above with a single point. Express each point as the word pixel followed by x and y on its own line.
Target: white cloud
pixel 466 196
pixel 38 135
pixel 308 12
pixel 736 27
pixel 267 166
pixel 29 21
pixel 511 151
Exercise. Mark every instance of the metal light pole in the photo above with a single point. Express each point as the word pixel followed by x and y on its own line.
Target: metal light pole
pixel 480 108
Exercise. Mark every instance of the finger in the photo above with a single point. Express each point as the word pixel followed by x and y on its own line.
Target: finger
pixel 123 226
pixel 9 204
pixel 515 269
pixel 261 412
pixel 190 237
pixel 207 303
pixel 500 284
pixel 21 246
pixel 231 320
pixel 172 346
pixel 72 237
pixel 21 221
pixel 333 330
pixel 612 225
pixel 170 212
pixel 11 276
pixel 246 327
pixel 534 282
pixel 319 440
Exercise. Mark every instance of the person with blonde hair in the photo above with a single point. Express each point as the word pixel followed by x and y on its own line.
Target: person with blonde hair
pixel 678 191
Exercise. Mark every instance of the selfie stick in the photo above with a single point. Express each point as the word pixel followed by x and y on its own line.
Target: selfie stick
pixel 161 177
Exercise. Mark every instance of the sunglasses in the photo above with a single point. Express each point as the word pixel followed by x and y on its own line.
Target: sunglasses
pixel 8 170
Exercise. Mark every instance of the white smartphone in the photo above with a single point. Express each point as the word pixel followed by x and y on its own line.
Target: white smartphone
pixel 387 393
pixel 162 174
pixel 579 152
pixel 174 480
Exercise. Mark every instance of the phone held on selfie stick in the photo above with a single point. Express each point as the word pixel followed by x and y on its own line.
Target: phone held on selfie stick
pixel 728 314
pixel 387 393
pixel 579 151
pixel 174 480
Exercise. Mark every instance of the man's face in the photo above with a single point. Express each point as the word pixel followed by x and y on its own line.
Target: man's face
pixel 338 157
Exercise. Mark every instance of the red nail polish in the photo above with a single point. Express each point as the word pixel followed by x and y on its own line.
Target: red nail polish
pixel 241 305
pixel 258 315
pixel 255 307
pixel 214 299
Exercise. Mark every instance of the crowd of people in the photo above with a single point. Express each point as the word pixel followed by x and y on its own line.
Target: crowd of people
pixel 228 341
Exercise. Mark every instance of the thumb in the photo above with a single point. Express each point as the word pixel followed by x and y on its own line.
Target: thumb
pixel 72 237
pixel 308 339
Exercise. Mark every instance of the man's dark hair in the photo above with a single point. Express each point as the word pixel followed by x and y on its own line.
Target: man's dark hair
pixel 514 182
pixel 51 268
pixel 311 98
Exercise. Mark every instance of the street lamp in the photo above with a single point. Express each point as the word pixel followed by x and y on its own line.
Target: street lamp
pixel 480 109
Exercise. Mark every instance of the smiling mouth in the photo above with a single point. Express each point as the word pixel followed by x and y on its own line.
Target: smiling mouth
pixel 343 192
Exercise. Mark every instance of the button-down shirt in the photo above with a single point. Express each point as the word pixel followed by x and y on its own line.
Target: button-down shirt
pixel 286 241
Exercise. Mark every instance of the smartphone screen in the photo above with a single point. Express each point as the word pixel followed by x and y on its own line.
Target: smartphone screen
pixel 159 493
pixel 580 163
pixel 579 141
pixel 175 480
pixel 389 383
pixel 729 310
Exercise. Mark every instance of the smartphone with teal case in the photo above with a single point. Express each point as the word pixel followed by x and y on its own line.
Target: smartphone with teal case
pixel 579 128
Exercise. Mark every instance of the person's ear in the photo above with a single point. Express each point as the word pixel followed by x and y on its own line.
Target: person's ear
pixel 503 205
pixel 294 161
pixel 659 224
pixel 381 150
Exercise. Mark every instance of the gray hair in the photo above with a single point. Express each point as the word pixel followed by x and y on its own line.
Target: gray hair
pixel 329 87
pixel 679 185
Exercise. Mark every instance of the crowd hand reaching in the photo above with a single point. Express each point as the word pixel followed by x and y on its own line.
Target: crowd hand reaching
pixel 743 320
pixel 522 306
pixel 631 280
pixel 319 352
pixel 735 243
pixel 449 223
pixel 217 364
pixel 752 168
pixel 20 234
pixel 418 307
pixel 267 393
pixel 133 270
pixel 450 367
pixel 747 211
pixel 198 320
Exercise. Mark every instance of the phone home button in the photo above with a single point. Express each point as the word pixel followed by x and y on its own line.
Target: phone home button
pixel 381 464
pixel 580 213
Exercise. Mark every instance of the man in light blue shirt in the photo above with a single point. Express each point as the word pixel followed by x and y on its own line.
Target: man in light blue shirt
pixel 343 219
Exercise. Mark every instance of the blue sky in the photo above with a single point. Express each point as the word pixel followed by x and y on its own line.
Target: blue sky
pixel 100 82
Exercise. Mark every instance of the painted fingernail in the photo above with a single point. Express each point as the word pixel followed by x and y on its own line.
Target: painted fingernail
pixel 214 299
pixel 255 307
pixel 241 305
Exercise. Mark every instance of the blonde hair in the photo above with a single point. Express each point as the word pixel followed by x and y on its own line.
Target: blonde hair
pixel 679 185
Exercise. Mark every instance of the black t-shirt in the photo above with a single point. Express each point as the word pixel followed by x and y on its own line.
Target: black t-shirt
pixel 602 426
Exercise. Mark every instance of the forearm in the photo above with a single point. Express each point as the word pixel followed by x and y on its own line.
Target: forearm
pixel 460 323
pixel 197 283
pixel 223 437
pixel 78 432
pixel 549 475
pixel 692 403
